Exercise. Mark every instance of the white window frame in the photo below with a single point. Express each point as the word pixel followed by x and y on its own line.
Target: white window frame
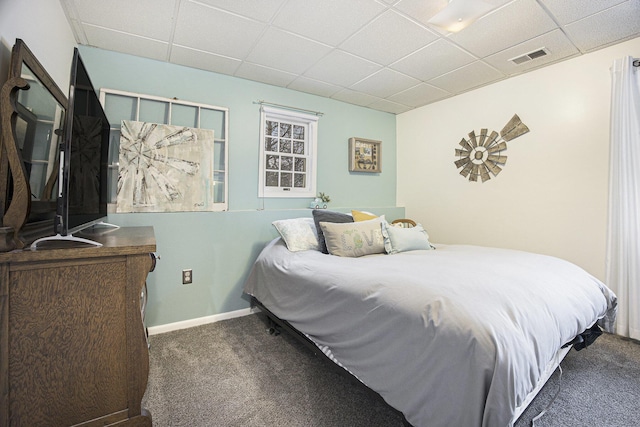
pixel 310 122
pixel 113 166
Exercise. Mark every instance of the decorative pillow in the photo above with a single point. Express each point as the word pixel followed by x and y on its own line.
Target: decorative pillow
pixel 299 234
pixel 362 216
pixel 327 216
pixel 354 239
pixel 397 239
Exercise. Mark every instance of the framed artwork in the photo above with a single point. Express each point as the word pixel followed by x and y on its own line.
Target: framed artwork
pixel 365 155
pixel 165 168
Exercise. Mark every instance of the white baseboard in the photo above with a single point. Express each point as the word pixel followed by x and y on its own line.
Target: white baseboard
pixel 161 329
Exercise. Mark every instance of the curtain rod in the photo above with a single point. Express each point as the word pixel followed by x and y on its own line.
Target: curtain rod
pixel 317 113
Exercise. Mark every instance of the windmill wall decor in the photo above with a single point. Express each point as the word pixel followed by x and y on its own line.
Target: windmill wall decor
pixel 482 155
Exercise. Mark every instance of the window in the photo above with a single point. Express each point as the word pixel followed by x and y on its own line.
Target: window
pixel 120 105
pixel 287 153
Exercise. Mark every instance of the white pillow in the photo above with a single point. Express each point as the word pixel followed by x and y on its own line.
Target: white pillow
pixel 299 234
pixel 354 239
pixel 398 239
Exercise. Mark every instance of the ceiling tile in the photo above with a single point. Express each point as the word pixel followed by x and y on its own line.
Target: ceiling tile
pixel 390 107
pixel 285 51
pixel 388 38
pixel 353 97
pixel 126 43
pixel 421 10
pixel 147 18
pixel 264 74
pixel 342 68
pixel 203 60
pixel 419 95
pixel 327 21
pixel 615 24
pixel 260 10
pixel 512 24
pixel 555 42
pixel 385 83
pixel 468 77
pixel 315 87
pixel 230 36
pixel 566 11
pixel 433 60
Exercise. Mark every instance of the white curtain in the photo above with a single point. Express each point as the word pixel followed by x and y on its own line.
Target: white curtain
pixel 623 240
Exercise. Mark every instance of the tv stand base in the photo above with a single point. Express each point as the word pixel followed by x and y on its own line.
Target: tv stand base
pixel 59 237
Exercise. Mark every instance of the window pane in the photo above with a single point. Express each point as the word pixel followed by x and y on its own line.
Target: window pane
pixel 112 187
pixel 272 179
pixel 154 111
pixel 286 179
pixel 213 119
pixel 271 128
pixel 184 115
pixel 300 180
pixel 218 155
pixel 271 144
pixel 298 132
pixel 285 130
pixel 287 163
pixel 298 147
pixel 273 162
pixel 218 189
pixel 118 108
pixel 114 158
pixel 301 165
pixel 285 146
pixel 114 146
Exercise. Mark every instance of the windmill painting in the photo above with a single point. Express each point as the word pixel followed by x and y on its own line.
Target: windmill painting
pixel 165 168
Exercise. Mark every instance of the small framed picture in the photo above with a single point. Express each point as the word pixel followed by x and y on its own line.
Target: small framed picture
pixel 365 155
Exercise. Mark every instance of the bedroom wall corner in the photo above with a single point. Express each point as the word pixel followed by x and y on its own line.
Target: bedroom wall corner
pixel 551 196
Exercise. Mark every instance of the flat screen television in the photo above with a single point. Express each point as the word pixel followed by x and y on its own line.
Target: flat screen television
pixel 82 191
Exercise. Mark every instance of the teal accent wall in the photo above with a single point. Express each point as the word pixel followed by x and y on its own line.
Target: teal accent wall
pixel 220 247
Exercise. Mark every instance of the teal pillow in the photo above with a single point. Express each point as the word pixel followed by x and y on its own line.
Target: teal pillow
pixel 398 239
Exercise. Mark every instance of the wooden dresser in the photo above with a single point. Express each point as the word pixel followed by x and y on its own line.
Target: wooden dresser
pixel 73 348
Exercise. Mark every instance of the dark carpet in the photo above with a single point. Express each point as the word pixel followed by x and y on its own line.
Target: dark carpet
pixel 234 373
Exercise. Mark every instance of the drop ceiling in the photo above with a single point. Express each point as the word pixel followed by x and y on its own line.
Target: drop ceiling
pixel 380 54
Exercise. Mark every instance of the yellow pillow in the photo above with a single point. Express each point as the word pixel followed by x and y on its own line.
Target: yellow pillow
pixel 362 216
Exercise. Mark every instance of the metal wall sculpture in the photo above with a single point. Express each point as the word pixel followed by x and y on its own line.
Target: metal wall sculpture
pixel 482 156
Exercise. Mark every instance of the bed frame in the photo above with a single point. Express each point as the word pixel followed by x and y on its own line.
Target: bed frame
pixel 276 324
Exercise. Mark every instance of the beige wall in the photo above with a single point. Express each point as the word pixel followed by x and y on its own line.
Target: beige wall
pixel 551 196
pixel 45 29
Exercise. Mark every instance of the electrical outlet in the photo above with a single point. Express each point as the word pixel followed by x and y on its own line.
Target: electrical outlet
pixel 187 277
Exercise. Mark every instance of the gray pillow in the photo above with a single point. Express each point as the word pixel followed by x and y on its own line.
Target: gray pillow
pixel 327 216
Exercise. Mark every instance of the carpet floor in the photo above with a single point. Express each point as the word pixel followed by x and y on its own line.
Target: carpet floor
pixel 234 373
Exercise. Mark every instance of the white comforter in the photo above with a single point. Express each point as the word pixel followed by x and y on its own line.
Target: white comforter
pixel 456 336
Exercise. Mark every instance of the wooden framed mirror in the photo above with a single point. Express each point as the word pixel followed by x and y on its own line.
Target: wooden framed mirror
pixel 32 109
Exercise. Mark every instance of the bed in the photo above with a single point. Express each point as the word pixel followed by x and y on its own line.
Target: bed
pixel 446 334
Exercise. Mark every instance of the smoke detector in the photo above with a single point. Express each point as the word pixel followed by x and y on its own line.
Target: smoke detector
pixel 538 53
